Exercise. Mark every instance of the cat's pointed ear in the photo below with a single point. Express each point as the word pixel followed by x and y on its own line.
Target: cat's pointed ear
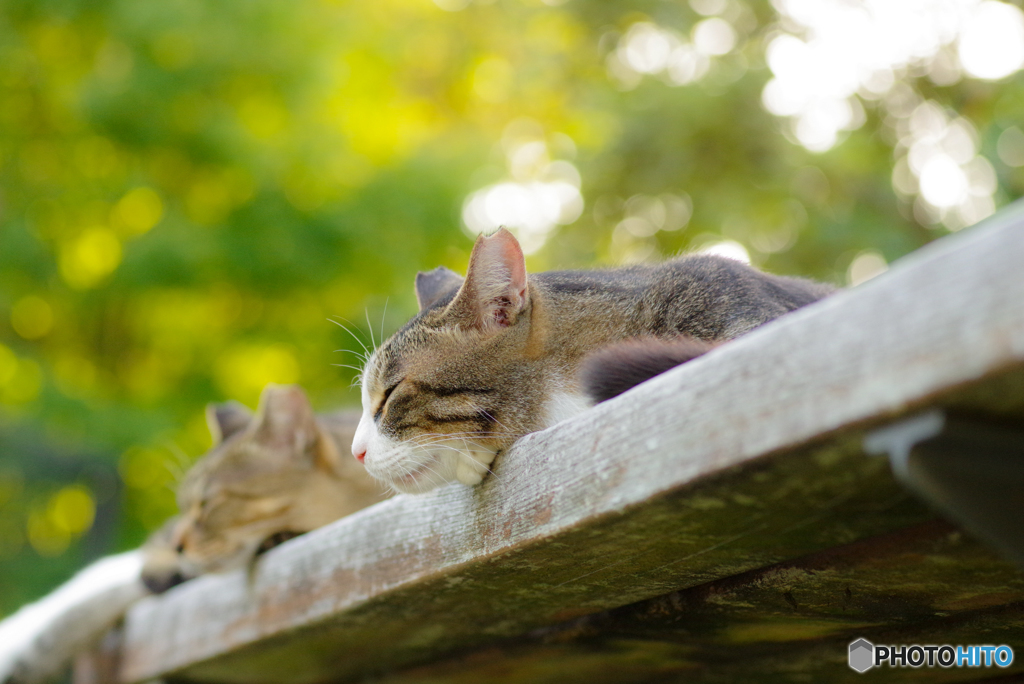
pixel 431 285
pixel 226 419
pixel 495 291
pixel 285 420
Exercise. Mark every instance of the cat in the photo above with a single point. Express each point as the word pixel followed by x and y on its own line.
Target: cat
pixel 496 355
pixel 269 477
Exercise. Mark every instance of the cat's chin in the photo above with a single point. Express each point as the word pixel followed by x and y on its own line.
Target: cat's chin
pixel 422 479
pixel 448 464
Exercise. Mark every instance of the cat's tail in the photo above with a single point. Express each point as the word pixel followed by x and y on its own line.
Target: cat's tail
pixel 616 368
pixel 40 640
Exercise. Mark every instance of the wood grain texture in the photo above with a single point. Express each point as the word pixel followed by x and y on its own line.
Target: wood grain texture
pixel 789 622
pixel 746 457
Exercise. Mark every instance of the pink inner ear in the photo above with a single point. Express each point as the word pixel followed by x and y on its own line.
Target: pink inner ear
pixel 502 282
pixel 495 289
pixel 513 260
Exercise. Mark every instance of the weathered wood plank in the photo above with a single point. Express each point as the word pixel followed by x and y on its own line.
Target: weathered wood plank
pixel 786 622
pixel 744 458
pixel 99 665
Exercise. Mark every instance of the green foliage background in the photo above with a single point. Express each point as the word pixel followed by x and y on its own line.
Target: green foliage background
pixel 189 189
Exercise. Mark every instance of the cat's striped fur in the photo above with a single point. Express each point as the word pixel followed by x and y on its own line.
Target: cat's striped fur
pixel 276 473
pixel 497 355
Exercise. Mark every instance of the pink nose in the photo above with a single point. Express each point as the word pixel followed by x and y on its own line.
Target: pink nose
pixel 359 453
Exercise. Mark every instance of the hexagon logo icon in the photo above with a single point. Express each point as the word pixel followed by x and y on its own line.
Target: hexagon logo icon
pixel 862 655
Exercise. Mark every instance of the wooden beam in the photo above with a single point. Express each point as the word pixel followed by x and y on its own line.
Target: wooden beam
pixel 926 584
pixel 746 457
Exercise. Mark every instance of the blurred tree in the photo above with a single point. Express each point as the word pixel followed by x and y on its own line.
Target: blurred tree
pixel 190 189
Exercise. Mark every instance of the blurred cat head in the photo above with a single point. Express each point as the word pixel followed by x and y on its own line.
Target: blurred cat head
pixel 269 475
pixel 460 381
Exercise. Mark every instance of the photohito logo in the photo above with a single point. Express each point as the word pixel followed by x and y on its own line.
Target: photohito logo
pixel 865 655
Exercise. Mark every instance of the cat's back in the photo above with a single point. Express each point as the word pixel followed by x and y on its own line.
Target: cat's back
pixel 713 297
pixel 687 273
pixel 716 276
pixel 704 295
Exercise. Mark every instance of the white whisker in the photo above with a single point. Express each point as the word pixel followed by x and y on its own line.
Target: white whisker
pixel 373 342
pixel 349 331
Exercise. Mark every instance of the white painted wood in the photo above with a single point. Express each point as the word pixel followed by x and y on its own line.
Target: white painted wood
pixel 559 529
pixel 39 641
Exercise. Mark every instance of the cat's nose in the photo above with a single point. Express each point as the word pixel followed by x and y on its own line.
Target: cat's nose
pixel 361 440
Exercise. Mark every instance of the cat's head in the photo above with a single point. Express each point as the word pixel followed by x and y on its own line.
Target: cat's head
pixel 458 382
pixel 252 485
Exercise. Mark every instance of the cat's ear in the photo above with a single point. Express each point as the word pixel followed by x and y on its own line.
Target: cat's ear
pixel 494 292
pixel 226 419
pixel 431 285
pixel 285 420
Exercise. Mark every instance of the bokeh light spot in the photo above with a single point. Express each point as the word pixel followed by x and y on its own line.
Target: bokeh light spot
pixel 542 195
pixel 138 211
pixel 848 49
pixel 46 538
pixel 943 182
pixel 646 48
pixel 708 7
pixel 89 258
pixel 714 36
pixel 865 266
pixel 730 249
pixel 991 43
pixel 72 510
pixel 1010 146
pixel 32 317
pixel 243 371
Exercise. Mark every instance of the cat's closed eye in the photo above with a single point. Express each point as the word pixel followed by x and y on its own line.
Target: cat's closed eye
pixel 384 400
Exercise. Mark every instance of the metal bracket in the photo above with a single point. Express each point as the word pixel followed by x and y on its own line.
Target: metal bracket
pixel 971 471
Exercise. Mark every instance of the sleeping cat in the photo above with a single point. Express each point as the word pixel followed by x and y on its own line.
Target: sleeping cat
pixel 268 477
pixel 496 355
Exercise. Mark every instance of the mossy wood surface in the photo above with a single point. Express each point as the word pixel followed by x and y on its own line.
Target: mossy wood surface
pixel 735 488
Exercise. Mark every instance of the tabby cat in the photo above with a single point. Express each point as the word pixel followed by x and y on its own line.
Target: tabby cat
pixel 269 476
pixel 496 355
